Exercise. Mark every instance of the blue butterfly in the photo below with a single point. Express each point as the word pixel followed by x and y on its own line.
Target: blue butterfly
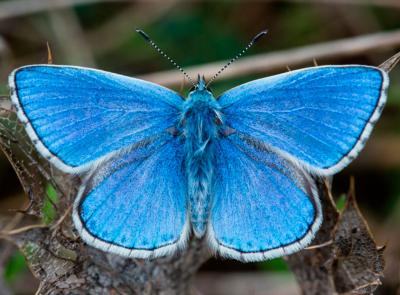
pixel 237 170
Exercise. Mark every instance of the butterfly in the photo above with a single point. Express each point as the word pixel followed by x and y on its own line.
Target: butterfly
pixel 237 170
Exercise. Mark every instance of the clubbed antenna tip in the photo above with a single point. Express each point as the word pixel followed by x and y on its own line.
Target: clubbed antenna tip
pixel 143 34
pixel 259 36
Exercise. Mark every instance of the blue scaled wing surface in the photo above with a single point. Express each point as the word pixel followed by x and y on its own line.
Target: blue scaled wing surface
pixel 77 117
pixel 135 204
pixel 264 206
pixel 318 117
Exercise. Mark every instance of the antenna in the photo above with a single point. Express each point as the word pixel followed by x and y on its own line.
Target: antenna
pixel 155 46
pixel 251 43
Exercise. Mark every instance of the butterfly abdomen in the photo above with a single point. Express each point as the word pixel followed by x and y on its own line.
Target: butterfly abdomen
pixel 200 133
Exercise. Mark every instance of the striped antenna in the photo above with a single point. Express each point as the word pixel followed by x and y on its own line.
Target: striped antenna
pixel 251 43
pixel 154 45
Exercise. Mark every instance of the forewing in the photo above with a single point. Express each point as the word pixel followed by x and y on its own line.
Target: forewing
pixel 318 116
pixel 264 207
pixel 76 116
pixel 135 204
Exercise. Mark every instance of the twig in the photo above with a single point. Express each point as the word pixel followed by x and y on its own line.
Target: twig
pixel 13 222
pixel 22 229
pixel 15 8
pixel 313 247
pixel 39 289
pixel 262 63
pixel 62 218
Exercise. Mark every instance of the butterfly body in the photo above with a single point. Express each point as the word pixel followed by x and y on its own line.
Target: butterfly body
pixel 201 124
pixel 238 169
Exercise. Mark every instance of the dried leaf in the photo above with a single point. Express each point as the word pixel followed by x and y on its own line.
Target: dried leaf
pixel 310 266
pixel 357 262
pixel 34 172
pixel 351 263
pixel 389 64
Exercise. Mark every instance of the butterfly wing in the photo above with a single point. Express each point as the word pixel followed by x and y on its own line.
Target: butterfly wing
pixel 263 206
pixel 134 205
pixel 320 117
pixel 76 116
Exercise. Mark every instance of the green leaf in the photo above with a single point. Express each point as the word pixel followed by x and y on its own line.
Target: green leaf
pixel 15 266
pixel 277 264
pixel 341 201
pixel 51 199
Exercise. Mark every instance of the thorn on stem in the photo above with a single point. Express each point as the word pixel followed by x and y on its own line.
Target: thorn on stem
pixel 49 54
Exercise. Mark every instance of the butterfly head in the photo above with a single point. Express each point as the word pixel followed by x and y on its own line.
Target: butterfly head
pixel 201 83
pixel 200 86
pixel 201 107
pixel 200 93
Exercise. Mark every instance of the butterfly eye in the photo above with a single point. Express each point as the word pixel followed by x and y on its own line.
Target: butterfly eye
pixel 188 113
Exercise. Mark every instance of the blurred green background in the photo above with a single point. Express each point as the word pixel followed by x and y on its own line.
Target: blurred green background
pixel 101 34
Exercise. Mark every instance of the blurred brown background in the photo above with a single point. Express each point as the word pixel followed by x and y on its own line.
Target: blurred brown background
pixel 101 34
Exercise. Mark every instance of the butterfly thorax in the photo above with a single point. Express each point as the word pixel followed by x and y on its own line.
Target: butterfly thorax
pixel 200 123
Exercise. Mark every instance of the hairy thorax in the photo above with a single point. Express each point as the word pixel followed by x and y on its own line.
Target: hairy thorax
pixel 201 123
